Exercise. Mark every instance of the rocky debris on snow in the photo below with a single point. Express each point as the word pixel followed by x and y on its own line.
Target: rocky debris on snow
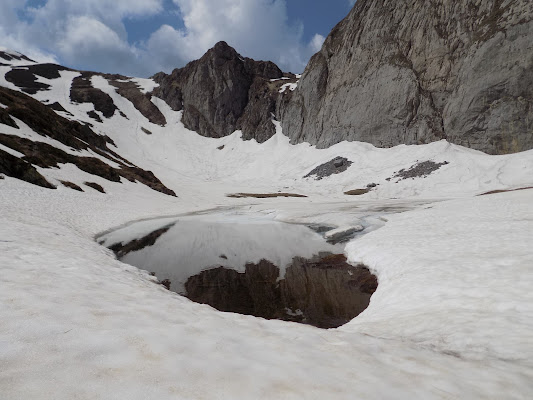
pixel 17 168
pixel 357 192
pixel 504 191
pixel 325 291
pixel 223 92
pixel 342 234
pixel 420 71
pixel 335 166
pixel 47 123
pixel 419 170
pixel 95 186
pixel 71 185
pixel 264 195
pixel 166 283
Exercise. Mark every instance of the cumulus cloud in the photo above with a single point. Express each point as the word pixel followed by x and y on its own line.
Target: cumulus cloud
pixel 91 33
pixel 257 29
pixel 316 43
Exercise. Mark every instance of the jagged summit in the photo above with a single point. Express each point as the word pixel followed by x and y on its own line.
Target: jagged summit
pixel 223 92
pixel 223 49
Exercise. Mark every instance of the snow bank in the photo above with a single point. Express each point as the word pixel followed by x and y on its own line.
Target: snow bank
pixel 452 316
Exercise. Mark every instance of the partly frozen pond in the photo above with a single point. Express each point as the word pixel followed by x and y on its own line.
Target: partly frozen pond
pixel 250 265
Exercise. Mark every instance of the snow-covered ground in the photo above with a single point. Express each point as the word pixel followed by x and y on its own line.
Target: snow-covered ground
pixel 452 316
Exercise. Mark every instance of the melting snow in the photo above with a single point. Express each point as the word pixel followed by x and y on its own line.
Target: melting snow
pixel 452 316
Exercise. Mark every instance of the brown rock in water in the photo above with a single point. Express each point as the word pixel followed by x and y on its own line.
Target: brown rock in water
pixel 328 291
pixel 325 292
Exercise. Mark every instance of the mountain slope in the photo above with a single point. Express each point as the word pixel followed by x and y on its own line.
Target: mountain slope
pixel 223 92
pixel 451 318
pixel 413 72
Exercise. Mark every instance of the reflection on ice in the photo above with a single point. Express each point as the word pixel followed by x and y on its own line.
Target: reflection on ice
pixel 194 244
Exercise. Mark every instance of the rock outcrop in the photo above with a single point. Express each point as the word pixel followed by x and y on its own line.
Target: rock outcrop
pixel 413 72
pixel 47 123
pixel 223 92
pixel 325 291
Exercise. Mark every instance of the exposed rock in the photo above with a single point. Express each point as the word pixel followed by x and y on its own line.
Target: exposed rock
pixel 166 283
pixel 16 168
pixel 26 77
pixel 264 195
pixel 325 291
pixel 357 192
pixel 419 71
pixel 82 91
pixel 328 291
pixel 95 186
pixel 419 170
pixel 335 166
pixel 71 185
pixel 10 56
pixel 130 90
pixel 505 191
pixel 223 92
pixel 92 114
pixel 44 121
pixel 58 107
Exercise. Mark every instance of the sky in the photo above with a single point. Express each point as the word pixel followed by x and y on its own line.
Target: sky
pixel 142 37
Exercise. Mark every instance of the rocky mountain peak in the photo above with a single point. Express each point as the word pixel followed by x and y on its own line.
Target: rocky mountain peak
pixel 223 92
pixel 223 50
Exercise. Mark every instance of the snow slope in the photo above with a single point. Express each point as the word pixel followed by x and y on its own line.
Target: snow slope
pixel 452 316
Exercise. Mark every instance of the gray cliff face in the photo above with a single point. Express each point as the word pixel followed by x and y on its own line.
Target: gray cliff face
pixel 223 92
pixel 417 71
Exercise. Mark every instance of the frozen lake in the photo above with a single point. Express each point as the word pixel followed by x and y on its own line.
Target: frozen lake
pixel 250 265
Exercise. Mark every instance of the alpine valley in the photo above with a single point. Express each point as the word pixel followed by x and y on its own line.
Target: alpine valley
pixel 407 141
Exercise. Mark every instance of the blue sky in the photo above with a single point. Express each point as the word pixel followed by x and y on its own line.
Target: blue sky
pixel 142 37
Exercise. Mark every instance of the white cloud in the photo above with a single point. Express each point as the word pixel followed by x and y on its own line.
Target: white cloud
pixel 316 43
pixel 91 33
pixel 257 29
